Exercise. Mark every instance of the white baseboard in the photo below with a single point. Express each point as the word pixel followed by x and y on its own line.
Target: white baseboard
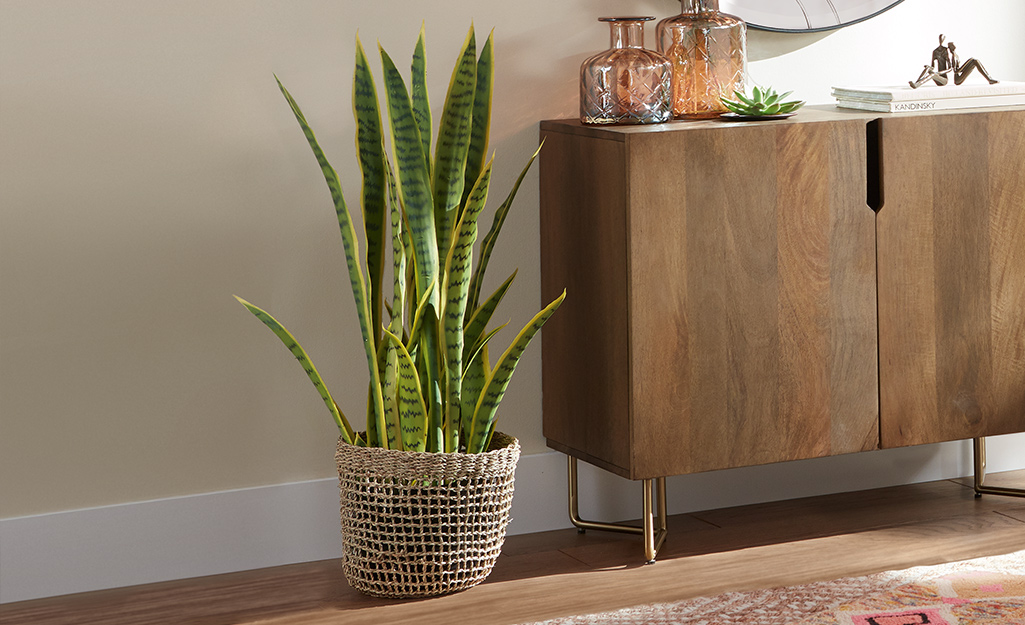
pixel 206 534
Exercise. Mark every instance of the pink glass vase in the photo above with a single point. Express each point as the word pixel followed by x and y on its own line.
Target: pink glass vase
pixel 626 84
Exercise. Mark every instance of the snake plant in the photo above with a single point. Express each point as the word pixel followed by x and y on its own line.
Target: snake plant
pixel 433 386
pixel 761 102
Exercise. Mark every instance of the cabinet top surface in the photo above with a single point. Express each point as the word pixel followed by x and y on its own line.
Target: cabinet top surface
pixel 809 114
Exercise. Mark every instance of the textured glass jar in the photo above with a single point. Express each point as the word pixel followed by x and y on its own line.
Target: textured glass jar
pixel 626 84
pixel 708 50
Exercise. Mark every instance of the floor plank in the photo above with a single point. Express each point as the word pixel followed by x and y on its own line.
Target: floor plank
pixel 559 573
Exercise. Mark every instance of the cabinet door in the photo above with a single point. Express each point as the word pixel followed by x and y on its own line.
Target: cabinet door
pixel 752 308
pixel 585 382
pixel 951 256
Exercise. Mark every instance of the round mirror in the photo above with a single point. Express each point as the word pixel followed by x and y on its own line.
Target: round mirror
pixel 799 16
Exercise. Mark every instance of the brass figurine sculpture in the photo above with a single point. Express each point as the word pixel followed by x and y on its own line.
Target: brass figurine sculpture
pixel 944 63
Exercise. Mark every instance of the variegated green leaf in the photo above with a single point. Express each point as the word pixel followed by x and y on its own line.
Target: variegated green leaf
pixel 307 365
pixel 421 103
pixel 492 236
pixel 407 246
pixel 370 147
pixel 487 406
pixel 345 425
pixel 475 377
pixel 480 347
pixel 480 123
pixel 457 284
pixel 398 254
pixel 413 177
pixel 418 317
pixel 412 410
pixel 432 379
pixel 453 141
pixel 352 256
pixel 482 316
pixel 374 429
pixel 388 362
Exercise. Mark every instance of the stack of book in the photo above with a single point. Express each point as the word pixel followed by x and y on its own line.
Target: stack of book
pixel 929 97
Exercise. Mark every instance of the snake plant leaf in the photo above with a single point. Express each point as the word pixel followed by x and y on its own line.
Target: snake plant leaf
pixel 412 410
pixel 374 430
pixel 307 365
pixel 347 430
pixel 475 377
pixel 398 254
pixel 480 122
pixel 410 277
pixel 423 339
pixel 421 103
pixel 488 244
pixel 453 141
pixel 388 360
pixel 370 147
pixel 413 176
pixel 352 256
pixel 478 322
pixel 432 379
pixel 457 286
pixel 418 317
pixel 480 346
pixel 487 406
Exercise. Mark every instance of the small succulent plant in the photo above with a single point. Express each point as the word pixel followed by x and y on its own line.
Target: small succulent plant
pixel 761 102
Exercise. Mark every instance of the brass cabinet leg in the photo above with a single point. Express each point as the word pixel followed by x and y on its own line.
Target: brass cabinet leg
pixel 979 448
pixel 654 518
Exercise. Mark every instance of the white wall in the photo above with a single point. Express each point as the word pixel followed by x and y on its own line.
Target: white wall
pixel 149 169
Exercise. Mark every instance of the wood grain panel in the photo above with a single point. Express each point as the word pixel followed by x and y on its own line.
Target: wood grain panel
pixel 907 345
pixel 752 349
pixel 585 344
pixel 961 274
pixel 803 217
pixel 1007 275
pixel 951 268
pixel 739 337
pixel 853 355
pixel 661 334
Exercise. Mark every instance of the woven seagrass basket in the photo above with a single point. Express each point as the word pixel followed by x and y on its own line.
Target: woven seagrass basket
pixel 423 524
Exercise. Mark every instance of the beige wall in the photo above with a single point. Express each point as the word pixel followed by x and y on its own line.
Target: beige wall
pixel 149 169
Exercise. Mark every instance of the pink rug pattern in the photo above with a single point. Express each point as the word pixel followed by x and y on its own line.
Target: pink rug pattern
pixel 984 591
pixel 969 598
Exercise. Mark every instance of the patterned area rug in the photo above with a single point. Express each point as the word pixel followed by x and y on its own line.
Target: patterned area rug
pixel 985 591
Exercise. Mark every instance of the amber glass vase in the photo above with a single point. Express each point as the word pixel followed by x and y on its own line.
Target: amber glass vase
pixel 626 84
pixel 708 51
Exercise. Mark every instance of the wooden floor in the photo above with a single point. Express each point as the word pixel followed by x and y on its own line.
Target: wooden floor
pixel 560 573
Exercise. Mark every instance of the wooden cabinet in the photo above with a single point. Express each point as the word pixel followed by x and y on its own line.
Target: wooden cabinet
pixel 951 238
pixel 723 307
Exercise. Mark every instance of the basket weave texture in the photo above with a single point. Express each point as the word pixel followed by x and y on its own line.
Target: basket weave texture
pixel 423 524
